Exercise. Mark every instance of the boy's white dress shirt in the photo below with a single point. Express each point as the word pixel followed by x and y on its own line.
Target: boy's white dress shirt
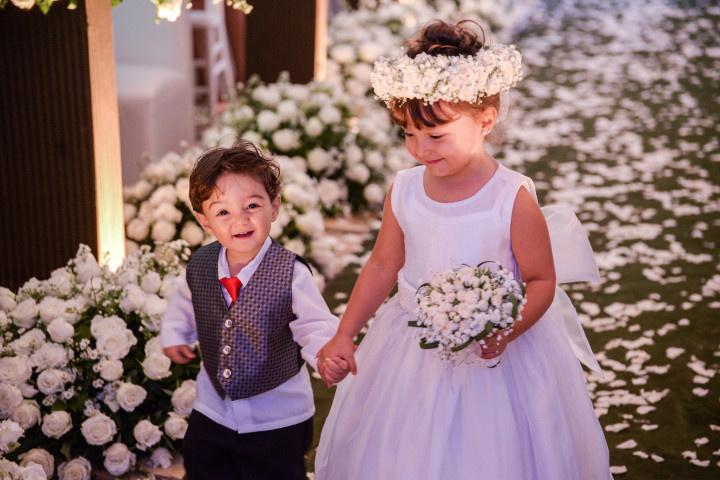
pixel 291 402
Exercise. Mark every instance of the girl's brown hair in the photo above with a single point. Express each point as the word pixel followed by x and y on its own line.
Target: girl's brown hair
pixel 442 38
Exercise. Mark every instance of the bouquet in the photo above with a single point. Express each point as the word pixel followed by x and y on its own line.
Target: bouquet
pixel 83 379
pixel 466 305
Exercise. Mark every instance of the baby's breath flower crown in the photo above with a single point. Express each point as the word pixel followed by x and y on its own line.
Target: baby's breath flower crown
pixel 460 78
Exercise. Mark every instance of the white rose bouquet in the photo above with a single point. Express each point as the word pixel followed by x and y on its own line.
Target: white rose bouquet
pixel 83 380
pixel 466 305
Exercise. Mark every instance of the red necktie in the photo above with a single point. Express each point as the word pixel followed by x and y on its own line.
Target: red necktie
pixel 232 285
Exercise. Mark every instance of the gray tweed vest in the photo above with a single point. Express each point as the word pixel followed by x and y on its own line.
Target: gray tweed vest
pixel 248 348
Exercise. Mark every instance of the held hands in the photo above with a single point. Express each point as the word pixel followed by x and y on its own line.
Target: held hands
pixel 181 354
pixel 336 359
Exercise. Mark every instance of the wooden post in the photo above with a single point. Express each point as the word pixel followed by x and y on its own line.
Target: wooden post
pixel 59 142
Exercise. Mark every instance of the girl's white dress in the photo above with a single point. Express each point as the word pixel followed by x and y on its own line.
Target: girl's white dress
pixel 409 415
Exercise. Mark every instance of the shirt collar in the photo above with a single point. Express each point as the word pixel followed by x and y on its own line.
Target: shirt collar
pixel 247 271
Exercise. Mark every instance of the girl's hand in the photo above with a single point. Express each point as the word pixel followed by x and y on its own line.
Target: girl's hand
pixel 494 345
pixel 339 348
pixel 333 370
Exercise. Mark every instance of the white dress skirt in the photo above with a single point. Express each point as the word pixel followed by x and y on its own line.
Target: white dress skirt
pixel 408 415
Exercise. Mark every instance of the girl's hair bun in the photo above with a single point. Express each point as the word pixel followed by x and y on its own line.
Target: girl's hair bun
pixel 443 38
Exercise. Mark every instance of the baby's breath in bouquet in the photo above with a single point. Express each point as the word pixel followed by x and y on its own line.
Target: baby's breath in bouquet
pixel 466 305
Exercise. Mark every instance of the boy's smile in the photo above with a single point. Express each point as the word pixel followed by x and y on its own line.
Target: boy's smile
pixel 239 213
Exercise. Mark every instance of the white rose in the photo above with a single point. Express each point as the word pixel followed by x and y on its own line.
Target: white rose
pixel 33 471
pixel 296 92
pixel 167 212
pixel 329 191
pixel 87 269
pixel 342 53
pixel 356 88
pixel 129 212
pixel 353 154
pixel 192 233
pixel 287 110
pixel 374 194
pixel 7 299
pixel 24 4
pixel 163 170
pixel 161 458
pixel 129 396
pixel 50 308
pixel 100 325
pixel 132 298
pixel 15 370
pixel 286 139
pixel 182 187
pixel 169 286
pixel 252 137
pixel 267 121
pixel 370 51
pixel 310 223
pixel 155 306
pixel 151 282
pixel 4 322
pixel 56 424
pixel 138 229
pixel 28 391
pixel 10 399
pixel 8 470
pixel 50 355
pixel 183 398
pixel 118 459
pixel 51 381
pixel 28 342
pixel 27 414
pixel 163 231
pixel 41 457
pixel 359 173
pixel 330 115
pixel 25 313
pixel 76 469
pixel 153 346
pixel 60 330
pixel 314 127
pixel 61 281
pixel 318 159
pixel 296 246
pixel 269 95
pixel 10 433
pixel 146 434
pixel 110 370
pixel 116 344
pixel 156 366
pixel 98 429
pixel 374 160
pixel 140 190
pixel 361 73
pixel 164 194
pixel 175 426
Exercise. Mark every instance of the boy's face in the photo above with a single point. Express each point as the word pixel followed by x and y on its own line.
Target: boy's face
pixel 239 213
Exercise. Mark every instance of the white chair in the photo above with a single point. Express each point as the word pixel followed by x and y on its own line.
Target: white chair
pixel 215 59
pixel 155 86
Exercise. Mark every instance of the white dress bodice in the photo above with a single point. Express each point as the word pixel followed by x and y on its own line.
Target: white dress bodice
pixel 440 236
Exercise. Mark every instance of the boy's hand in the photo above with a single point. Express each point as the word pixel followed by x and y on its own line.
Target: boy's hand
pixel 181 354
pixel 339 347
pixel 333 370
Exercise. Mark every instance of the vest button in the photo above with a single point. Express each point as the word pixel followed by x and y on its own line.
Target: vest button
pixel 226 350
pixel 227 373
pixel 228 323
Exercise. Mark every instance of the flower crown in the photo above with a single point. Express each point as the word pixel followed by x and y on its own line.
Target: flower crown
pixel 431 78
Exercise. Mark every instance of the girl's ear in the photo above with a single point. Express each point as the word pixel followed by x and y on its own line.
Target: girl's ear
pixel 486 119
pixel 275 207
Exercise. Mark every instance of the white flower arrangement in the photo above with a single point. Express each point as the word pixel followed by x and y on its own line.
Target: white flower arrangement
pixel 82 371
pixel 466 305
pixel 433 78
pixel 332 135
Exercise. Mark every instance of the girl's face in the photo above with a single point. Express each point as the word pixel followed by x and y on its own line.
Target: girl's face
pixel 449 149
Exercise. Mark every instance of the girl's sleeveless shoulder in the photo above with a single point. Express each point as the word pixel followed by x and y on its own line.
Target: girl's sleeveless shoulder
pixel 508 186
pixel 403 189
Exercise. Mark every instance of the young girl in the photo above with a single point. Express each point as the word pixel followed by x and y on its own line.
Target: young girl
pixel 406 413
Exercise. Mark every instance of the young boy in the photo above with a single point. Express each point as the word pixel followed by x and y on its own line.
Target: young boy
pixel 257 314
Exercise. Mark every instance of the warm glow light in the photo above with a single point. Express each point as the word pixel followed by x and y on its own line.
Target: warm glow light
pixel 321 22
pixel 106 136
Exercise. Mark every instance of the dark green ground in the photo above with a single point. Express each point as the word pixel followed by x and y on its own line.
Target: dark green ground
pixel 618 116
